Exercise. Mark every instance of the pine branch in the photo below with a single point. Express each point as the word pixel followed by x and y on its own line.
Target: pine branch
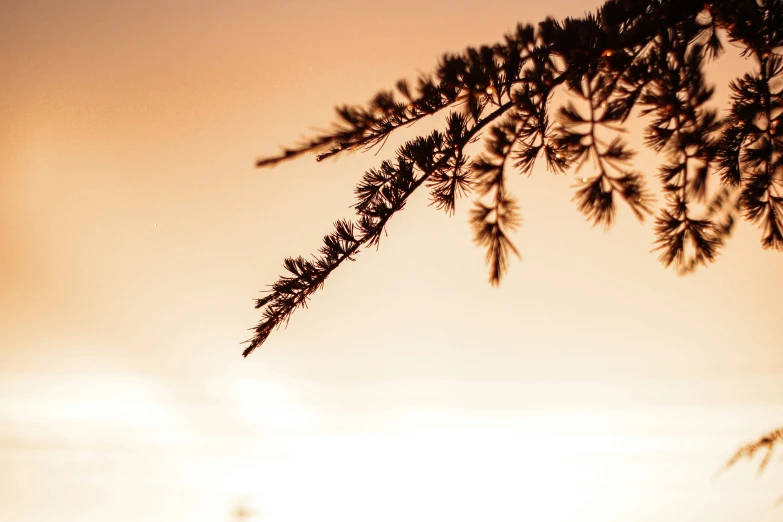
pixel 684 128
pixel 459 79
pixel 456 181
pixel 644 58
pixel 292 292
pixel 382 194
pixel 765 444
pixel 493 221
pixel 578 136
pixel 361 127
pixel 762 194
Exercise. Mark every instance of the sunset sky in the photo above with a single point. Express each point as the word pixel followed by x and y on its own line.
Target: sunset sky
pixel 593 385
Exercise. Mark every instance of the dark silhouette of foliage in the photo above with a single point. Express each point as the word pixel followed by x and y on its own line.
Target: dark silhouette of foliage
pixel 766 444
pixel 629 57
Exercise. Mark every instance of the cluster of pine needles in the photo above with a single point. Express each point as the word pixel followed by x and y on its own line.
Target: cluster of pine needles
pixel 640 57
pixel 645 58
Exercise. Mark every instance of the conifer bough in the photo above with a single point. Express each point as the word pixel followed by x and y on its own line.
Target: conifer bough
pixel 629 56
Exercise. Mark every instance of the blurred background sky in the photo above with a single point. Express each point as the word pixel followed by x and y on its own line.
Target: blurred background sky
pixel 593 385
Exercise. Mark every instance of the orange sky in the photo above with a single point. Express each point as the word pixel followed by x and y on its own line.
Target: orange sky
pixel 592 385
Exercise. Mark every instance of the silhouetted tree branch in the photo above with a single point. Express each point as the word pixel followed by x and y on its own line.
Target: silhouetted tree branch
pixel 765 445
pixel 629 57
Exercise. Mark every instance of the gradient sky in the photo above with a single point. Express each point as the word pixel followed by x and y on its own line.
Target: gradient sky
pixel 593 385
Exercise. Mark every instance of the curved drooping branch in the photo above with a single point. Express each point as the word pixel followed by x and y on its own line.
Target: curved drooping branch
pixel 630 57
pixel 381 193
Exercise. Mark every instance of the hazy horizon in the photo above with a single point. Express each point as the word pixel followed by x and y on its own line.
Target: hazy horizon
pixel 592 385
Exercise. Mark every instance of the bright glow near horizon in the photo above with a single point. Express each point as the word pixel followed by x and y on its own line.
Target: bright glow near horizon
pixel 593 385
